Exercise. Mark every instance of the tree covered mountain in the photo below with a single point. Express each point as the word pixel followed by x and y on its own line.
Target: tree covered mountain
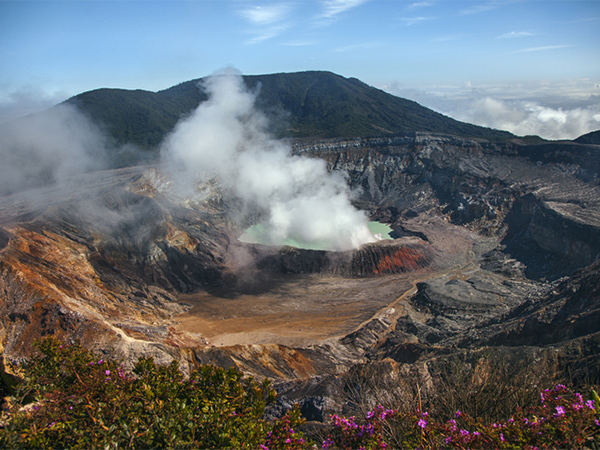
pixel 304 105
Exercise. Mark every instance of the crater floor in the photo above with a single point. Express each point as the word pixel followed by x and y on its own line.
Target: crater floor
pixel 302 310
pixel 298 310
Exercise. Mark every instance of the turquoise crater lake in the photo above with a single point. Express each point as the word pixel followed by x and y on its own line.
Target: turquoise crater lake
pixel 259 234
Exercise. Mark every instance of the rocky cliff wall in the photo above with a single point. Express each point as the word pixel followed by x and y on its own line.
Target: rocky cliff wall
pixel 508 189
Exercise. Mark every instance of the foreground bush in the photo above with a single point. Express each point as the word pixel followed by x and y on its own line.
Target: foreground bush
pixel 80 401
pixel 69 398
pixel 563 420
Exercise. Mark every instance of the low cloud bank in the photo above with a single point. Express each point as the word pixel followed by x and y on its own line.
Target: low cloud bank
pixel 532 118
pixel 297 197
pixel 552 111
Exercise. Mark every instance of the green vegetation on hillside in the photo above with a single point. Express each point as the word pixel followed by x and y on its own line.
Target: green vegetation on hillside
pixel 303 104
pixel 589 138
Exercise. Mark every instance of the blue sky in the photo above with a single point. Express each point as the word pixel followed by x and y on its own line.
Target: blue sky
pixel 528 64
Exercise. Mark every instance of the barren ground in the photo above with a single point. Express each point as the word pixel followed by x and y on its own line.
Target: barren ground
pixel 305 309
pixel 299 311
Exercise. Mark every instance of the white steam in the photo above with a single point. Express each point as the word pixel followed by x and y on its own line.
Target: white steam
pixel 298 198
pixel 48 148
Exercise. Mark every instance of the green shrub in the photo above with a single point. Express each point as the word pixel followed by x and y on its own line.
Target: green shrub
pixel 75 400
pixel 69 398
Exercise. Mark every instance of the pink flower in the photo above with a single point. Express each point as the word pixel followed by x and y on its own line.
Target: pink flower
pixel 107 372
pixel 590 404
pixel 327 443
pixel 560 411
pixel 422 423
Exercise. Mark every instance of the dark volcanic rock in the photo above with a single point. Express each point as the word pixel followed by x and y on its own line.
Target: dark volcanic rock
pixel 535 197
pixel 380 258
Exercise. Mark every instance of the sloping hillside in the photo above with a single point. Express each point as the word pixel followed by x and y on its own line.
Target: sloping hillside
pixel 304 104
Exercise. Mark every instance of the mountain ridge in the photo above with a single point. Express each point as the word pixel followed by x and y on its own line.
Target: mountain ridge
pixel 310 104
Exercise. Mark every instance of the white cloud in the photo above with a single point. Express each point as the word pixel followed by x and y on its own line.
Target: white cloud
pixel 265 15
pixel 419 5
pixel 268 20
pixel 413 20
pixel 551 110
pixel 299 43
pixel 532 118
pixel 354 47
pixel 515 34
pixel 333 8
pixel 477 9
pixel 266 34
pixel 542 49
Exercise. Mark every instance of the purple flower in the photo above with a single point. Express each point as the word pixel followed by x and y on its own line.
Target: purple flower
pixel 422 423
pixel 453 423
pixel 458 413
pixel 590 404
pixel 597 422
pixel 327 443
pixel 448 439
pixel 107 372
pixel 560 411
pixel 502 437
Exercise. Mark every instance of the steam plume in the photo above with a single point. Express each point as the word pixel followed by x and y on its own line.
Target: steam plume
pixel 48 148
pixel 298 198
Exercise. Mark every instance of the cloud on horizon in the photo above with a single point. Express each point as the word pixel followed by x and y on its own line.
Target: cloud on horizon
pixel 551 110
